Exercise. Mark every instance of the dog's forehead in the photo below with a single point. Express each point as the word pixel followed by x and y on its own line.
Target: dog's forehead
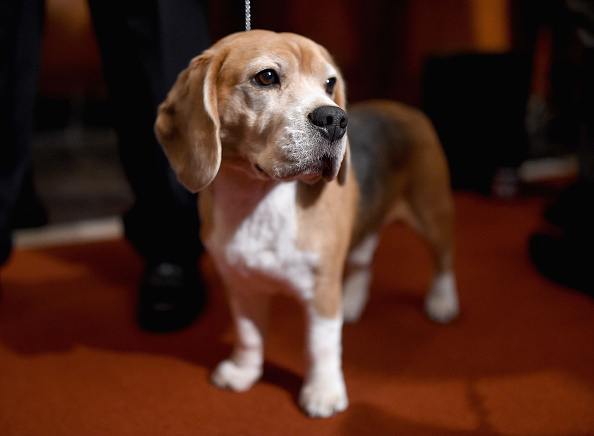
pixel 266 49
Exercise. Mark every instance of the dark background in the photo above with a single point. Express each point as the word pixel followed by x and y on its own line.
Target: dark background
pixel 498 78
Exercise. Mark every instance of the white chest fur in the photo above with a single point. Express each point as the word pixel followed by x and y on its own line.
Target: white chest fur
pixel 254 238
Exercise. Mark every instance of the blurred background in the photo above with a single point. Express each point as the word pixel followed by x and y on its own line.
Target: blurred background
pixel 499 78
pixel 508 85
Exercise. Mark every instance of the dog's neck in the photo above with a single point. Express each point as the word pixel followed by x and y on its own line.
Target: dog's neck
pixel 242 181
pixel 235 187
pixel 238 193
pixel 255 230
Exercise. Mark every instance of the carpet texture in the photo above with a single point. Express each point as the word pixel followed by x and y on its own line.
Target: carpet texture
pixel 519 360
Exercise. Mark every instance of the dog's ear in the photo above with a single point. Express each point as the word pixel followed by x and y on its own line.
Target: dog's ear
pixel 340 88
pixel 340 99
pixel 340 93
pixel 344 165
pixel 188 123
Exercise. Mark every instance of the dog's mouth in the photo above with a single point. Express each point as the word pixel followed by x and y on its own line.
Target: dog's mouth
pixel 310 174
pixel 325 167
pixel 260 171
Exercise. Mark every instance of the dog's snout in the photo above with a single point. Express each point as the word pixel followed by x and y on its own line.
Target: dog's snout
pixel 330 120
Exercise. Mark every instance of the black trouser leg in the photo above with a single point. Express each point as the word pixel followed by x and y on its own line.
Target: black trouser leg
pixel 144 45
pixel 20 37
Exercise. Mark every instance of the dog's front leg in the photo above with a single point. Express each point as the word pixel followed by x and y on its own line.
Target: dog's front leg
pixel 324 393
pixel 244 367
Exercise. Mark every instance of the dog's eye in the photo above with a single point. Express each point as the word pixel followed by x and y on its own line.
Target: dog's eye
pixel 267 78
pixel 330 85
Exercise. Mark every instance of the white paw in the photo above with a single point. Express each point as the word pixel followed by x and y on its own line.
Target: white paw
pixel 442 306
pixel 229 375
pixel 441 303
pixel 324 398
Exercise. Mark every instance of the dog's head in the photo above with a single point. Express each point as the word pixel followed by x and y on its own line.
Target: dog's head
pixel 270 103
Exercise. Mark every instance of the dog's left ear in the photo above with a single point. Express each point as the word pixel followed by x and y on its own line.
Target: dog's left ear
pixel 344 165
pixel 188 125
pixel 340 99
pixel 340 93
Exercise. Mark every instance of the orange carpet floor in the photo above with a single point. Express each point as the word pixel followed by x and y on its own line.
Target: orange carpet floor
pixel 519 361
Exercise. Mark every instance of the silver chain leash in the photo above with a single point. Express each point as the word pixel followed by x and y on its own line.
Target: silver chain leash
pixel 248 16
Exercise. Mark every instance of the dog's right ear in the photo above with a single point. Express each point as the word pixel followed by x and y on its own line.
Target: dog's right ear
pixel 188 123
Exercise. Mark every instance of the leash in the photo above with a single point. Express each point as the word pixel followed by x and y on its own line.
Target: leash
pixel 248 16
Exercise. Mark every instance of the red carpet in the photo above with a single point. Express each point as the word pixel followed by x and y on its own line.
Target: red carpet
pixel 520 360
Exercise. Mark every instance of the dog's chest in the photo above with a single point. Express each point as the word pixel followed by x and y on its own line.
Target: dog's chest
pixel 254 239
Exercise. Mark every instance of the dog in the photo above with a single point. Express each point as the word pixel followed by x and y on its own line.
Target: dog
pixel 290 203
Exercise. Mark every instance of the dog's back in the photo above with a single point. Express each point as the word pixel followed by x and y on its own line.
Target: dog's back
pixel 397 158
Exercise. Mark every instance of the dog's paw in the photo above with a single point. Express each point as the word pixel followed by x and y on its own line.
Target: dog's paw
pixel 441 305
pixel 323 398
pixel 229 375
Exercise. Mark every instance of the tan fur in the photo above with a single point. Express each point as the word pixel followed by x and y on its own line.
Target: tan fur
pixel 326 219
pixel 188 123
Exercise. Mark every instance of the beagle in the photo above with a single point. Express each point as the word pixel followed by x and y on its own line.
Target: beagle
pixel 257 124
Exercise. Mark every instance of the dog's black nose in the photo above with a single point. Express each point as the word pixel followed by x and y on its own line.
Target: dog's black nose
pixel 330 120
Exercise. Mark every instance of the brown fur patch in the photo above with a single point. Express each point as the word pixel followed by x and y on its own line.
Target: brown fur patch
pixel 326 216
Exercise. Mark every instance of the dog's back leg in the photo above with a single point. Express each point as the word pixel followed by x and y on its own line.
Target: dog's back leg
pixel 433 213
pixel 357 278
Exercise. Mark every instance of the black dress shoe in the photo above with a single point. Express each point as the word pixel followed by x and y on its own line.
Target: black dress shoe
pixel 170 296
